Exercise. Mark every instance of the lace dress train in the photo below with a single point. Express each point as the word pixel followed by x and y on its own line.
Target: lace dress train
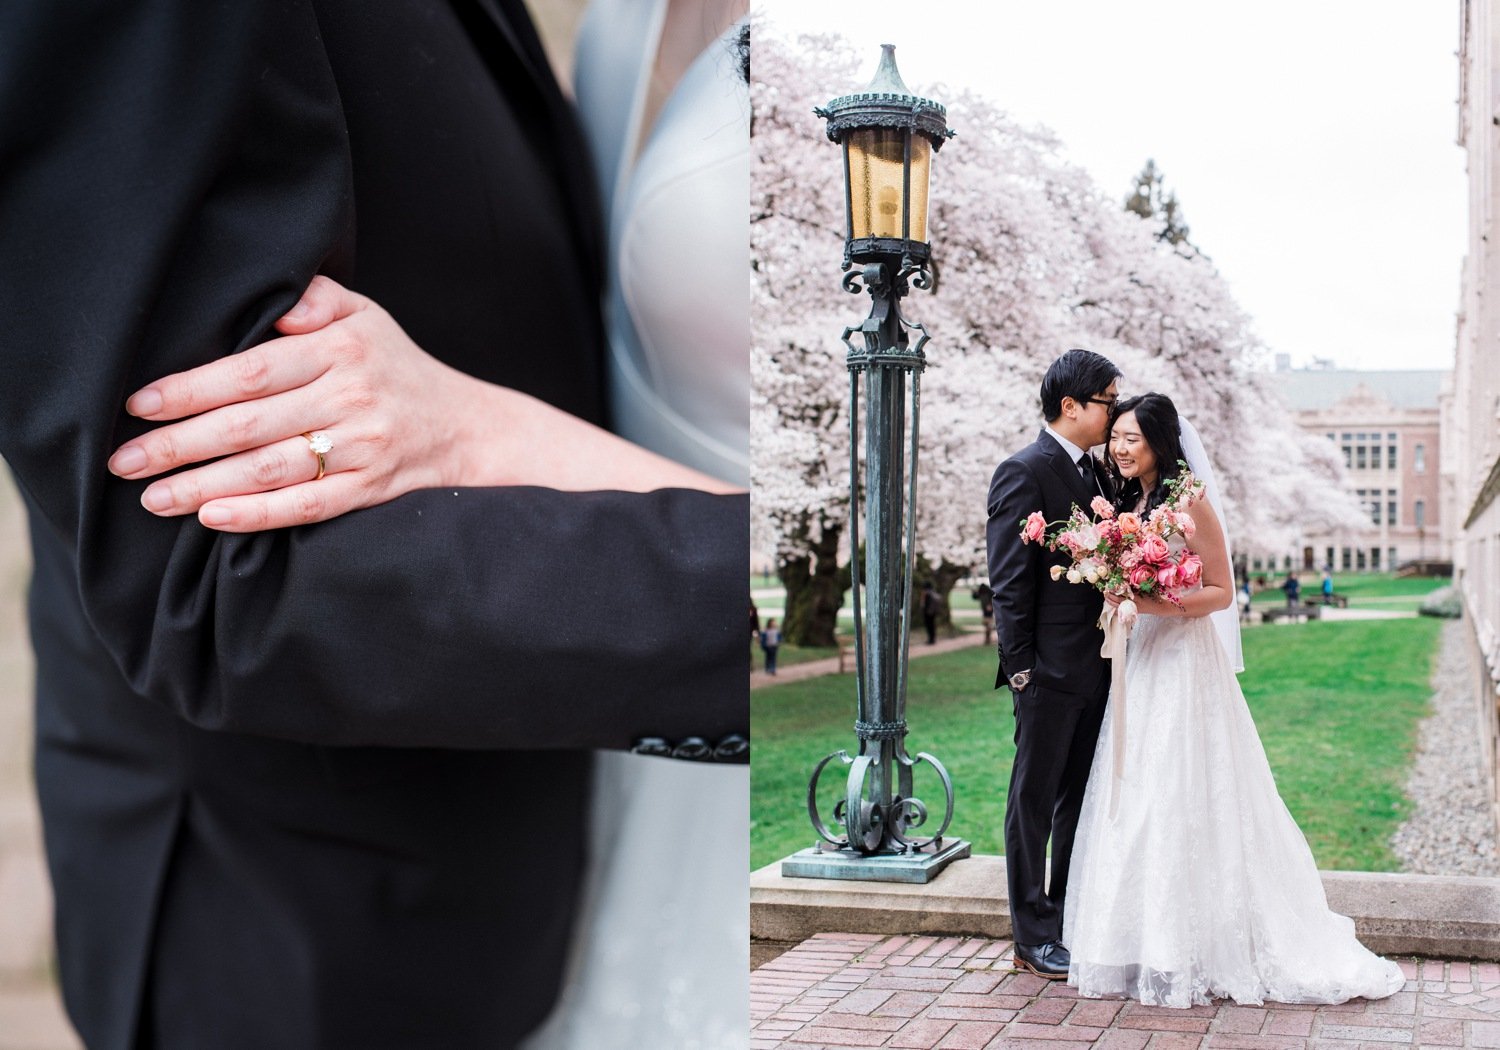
pixel 1202 885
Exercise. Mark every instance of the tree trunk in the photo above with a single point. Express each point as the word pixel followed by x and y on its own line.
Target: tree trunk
pixel 943 578
pixel 943 581
pixel 815 586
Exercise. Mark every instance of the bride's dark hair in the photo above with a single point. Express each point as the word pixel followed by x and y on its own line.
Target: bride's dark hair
pixel 1160 427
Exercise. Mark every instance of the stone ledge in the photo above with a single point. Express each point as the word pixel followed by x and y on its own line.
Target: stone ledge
pixel 1450 917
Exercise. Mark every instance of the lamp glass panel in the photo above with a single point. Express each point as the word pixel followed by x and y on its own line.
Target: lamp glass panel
pixel 875 157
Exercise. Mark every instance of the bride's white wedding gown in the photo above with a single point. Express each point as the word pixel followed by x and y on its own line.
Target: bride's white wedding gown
pixel 1202 886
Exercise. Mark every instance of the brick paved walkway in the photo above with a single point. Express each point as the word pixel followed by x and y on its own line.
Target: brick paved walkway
pixel 839 989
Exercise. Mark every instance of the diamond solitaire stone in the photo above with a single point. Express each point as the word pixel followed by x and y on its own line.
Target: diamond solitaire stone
pixel 320 443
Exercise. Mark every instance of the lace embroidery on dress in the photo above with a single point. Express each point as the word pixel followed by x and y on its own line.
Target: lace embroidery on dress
pixel 1203 886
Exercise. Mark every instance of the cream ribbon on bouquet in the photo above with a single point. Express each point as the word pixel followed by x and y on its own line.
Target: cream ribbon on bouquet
pixel 1116 621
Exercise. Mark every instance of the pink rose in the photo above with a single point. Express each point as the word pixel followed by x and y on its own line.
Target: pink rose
pixel 1139 575
pixel 1130 523
pixel 1167 577
pixel 1153 548
pixel 1191 570
pixel 1102 507
pixel 1034 528
pixel 1130 557
pixel 1188 526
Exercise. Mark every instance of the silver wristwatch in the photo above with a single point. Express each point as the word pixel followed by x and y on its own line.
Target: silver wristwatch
pixel 1020 680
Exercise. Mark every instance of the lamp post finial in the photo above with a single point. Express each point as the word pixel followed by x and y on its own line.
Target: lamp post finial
pixel 887 79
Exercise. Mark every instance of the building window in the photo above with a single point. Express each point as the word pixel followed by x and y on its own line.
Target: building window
pixel 1390 457
pixel 1348 458
pixel 1345 559
pixel 1419 512
pixel 1375 558
pixel 1328 561
pixel 1359 564
pixel 1419 459
pixel 1390 509
pixel 1360 461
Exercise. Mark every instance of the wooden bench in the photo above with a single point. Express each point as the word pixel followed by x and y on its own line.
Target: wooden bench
pixel 1299 614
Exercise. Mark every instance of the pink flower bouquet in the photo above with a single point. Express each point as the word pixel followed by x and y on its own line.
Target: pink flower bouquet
pixel 1126 554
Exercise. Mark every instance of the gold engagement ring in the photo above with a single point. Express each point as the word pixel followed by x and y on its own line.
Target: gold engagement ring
pixel 320 444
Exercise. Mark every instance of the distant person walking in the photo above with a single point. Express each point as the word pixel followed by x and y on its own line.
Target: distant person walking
pixel 1244 599
pixel 1327 586
pixel 770 641
pixel 931 606
pixel 1292 589
pixel 986 599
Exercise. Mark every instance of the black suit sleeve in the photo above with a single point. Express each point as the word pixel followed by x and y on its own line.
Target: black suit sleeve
pixel 171 175
pixel 1014 494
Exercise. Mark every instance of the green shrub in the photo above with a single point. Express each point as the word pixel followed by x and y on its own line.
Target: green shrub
pixel 1444 602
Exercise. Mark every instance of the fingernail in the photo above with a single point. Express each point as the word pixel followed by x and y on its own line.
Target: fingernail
pixel 215 515
pixel 145 403
pixel 128 460
pixel 297 312
pixel 156 498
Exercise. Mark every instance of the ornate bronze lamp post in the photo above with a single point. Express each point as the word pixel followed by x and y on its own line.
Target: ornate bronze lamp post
pixel 888 137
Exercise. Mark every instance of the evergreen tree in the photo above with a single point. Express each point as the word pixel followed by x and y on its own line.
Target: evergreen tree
pixel 1150 200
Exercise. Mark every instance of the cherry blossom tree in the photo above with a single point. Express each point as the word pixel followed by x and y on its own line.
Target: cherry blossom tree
pixel 1030 259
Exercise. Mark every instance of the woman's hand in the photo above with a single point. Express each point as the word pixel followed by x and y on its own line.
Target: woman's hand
pixel 398 420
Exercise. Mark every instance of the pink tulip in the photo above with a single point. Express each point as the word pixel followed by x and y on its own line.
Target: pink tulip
pixel 1191 570
pixel 1034 529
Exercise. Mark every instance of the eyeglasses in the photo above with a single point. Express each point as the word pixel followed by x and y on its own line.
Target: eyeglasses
pixel 1107 402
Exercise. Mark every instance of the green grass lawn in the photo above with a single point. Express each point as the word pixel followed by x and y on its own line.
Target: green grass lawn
pixel 1337 706
pixel 788 655
pixel 1369 590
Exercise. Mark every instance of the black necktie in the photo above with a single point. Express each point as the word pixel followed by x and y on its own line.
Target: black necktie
pixel 1086 467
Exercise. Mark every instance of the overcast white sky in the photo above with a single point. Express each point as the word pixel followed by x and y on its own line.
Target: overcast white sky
pixel 1312 145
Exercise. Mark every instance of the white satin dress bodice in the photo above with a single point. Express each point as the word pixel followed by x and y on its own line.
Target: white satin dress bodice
pixel 661 955
pixel 1202 885
pixel 678 304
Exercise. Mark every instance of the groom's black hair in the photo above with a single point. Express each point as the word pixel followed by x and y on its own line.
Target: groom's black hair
pixel 1077 374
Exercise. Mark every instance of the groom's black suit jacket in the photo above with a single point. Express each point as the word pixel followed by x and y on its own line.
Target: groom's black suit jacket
pixel 323 787
pixel 1045 625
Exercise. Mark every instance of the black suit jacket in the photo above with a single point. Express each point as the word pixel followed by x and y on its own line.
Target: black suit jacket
pixel 1045 625
pixel 316 787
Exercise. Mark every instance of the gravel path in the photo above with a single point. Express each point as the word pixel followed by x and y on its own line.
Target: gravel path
pixel 1451 830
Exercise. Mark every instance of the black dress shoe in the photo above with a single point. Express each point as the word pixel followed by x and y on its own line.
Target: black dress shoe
pixel 1049 961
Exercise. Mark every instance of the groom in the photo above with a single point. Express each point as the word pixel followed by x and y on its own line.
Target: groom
pixel 1049 649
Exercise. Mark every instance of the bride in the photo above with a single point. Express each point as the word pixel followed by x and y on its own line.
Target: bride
pixel 1200 885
